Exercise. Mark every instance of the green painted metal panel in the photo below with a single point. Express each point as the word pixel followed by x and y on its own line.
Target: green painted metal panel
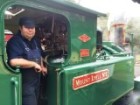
pixel 118 84
pixel 105 92
pixel 10 93
pixel 81 25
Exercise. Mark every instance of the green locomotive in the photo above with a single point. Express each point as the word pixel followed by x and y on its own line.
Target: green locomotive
pixel 81 69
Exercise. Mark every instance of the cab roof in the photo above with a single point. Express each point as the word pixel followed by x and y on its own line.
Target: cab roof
pixel 72 7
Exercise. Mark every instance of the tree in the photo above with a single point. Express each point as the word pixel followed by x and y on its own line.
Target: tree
pixel 138 1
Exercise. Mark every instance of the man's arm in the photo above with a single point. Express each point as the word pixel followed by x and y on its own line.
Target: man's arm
pixel 23 63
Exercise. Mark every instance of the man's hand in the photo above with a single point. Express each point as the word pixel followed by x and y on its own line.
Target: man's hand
pixel 44 70
pixel 37 67
pixel 41 69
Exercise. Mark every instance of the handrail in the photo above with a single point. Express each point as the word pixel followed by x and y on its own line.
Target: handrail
pixel 15 83
pixel 17 70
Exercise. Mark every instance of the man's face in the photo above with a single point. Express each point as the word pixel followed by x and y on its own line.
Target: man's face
pixel 28 33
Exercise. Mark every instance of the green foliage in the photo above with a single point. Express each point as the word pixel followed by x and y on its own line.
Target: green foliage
pixel 133 27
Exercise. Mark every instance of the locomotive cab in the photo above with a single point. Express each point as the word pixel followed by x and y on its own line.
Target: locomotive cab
pixel 51 30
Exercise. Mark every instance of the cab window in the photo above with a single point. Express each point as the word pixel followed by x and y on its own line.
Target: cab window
pixel 51 30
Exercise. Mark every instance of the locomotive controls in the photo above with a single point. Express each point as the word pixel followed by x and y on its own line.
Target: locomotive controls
pixel 53 36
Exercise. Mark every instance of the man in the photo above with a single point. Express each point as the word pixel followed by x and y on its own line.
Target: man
pixel 24 51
